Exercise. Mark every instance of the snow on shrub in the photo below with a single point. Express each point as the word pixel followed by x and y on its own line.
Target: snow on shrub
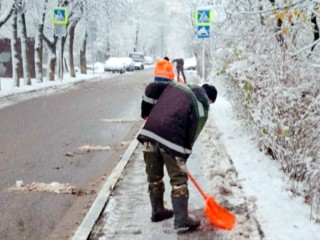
pixel 273 83
pixel 285 117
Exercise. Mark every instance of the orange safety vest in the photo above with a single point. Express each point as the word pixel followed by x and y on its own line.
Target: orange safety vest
pixel 164 69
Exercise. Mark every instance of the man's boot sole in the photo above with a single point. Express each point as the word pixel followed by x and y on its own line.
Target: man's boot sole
pixel 184 228
pixel 159 218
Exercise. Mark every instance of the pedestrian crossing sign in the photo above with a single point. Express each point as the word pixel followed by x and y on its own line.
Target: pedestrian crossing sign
pixel 60 16
pixel 203 31
pixel 203 17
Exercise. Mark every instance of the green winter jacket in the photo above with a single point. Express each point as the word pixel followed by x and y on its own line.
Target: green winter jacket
pixel 176 114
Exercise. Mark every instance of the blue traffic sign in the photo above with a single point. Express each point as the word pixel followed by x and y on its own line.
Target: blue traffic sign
pixel 60 16
pixel 203 31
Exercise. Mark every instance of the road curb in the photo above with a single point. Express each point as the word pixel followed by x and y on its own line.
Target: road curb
pixel 99 204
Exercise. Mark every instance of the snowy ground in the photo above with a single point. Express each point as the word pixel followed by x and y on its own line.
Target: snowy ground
pixel 228 165
pixel 10 95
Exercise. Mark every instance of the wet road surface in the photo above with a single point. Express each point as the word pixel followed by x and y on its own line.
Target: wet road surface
pixel 73 137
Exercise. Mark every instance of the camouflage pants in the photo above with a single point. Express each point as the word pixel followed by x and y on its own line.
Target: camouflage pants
pixel 155 159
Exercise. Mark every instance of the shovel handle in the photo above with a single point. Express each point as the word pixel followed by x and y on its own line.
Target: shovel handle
pixel 196 185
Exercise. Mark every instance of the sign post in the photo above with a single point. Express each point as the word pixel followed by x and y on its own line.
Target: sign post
pixel 60 20
pixel 203 18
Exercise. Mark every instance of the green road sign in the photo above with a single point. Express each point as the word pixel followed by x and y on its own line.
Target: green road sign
pixel 59 16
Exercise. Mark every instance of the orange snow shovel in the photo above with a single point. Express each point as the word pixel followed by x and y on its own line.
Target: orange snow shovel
pixel 217 215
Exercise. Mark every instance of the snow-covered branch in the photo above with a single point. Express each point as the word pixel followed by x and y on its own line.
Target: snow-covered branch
pixel 305 48
pixel 5 17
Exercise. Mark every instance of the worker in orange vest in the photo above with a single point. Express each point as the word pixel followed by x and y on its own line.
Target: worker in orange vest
pixel 163 71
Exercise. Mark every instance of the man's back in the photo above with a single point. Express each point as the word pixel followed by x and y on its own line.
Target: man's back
pixel 176 117
pixel 163 71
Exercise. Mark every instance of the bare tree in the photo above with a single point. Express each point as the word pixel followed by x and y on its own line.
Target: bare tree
pixel 83 60
pixel 39 44
pixel 14 49
pixel 52 46
pixel 24 42
pixel 74 19
pixel 71 43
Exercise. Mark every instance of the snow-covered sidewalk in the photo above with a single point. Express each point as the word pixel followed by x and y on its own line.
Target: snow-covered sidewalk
pixel 127 214
pixel 128 211
pixel 9 94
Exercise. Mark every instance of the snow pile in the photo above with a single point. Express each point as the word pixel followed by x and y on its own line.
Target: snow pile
pixel 225 186
pixel 89 148
pixel 120 120
pixel 97 67
pixel 54 187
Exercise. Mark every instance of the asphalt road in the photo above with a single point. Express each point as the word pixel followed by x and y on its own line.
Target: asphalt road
pixel 41 140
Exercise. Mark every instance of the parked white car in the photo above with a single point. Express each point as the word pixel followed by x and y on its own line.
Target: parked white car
pixel 128 63
pixel 138 64
pixel 114 64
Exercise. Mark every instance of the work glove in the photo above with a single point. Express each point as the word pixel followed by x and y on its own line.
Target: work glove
pixel 145 109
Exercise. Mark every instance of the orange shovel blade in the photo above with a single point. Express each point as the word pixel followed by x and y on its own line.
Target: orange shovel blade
pixel 218 215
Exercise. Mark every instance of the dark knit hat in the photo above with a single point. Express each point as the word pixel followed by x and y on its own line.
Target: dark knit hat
pixel 166 58
pixel 211 92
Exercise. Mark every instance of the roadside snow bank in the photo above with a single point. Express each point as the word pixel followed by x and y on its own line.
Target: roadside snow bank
pixel 225 186
pixel 54 187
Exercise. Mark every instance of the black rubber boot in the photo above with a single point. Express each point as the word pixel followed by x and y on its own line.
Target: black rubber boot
pixel 182 221
pixel 159 213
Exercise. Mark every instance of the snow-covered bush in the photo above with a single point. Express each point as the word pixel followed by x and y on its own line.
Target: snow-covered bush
pixel 272 79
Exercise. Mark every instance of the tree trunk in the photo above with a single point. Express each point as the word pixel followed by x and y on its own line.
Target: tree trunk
pixel 60 67
pixel 71 60
pixel 52 62
pixel 14 50
pixel 83 61
pixel 24 49
pixel 198 55
pixel 38 50
pixel 52 58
